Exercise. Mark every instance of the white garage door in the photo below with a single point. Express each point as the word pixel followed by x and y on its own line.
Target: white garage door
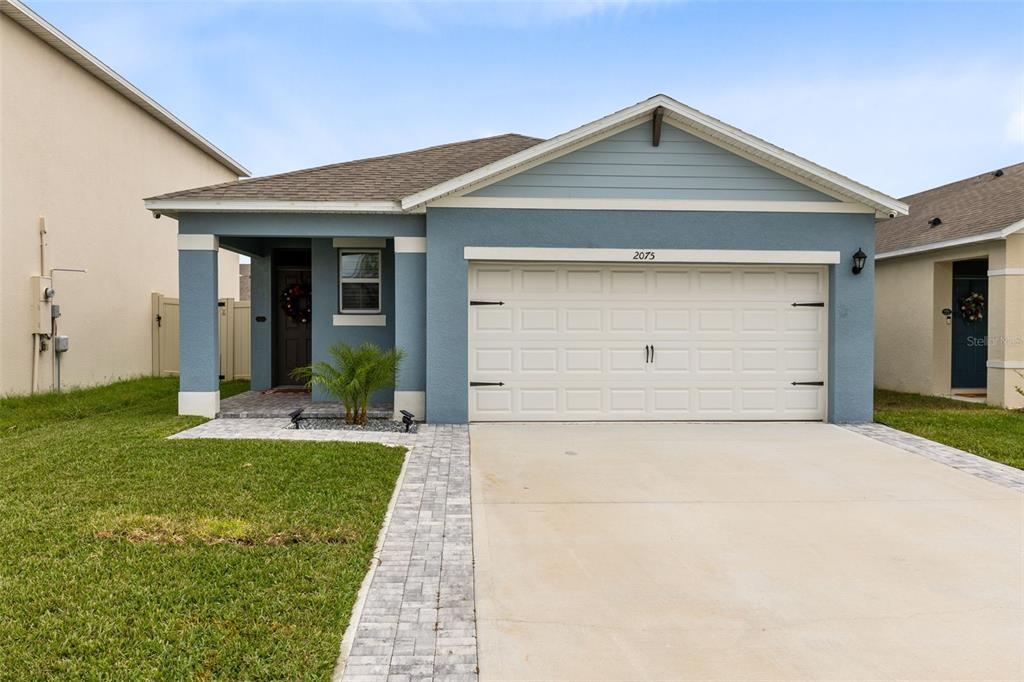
pixel 589 341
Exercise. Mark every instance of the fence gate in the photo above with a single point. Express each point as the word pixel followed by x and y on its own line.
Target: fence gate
pixel 233 329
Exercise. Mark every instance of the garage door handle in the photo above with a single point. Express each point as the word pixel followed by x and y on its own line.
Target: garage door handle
pixel 809 305
pixel 486 383
pixel 652 352
pixel 487 303
pixel 807 383
pixel 647 354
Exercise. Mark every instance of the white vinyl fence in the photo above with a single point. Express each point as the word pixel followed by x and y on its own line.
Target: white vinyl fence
pixel 234 337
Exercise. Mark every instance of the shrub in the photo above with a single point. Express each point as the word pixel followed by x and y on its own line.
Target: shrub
pixel 353 375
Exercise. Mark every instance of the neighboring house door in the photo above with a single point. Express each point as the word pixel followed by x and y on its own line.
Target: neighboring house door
pixel 970 352
pixel 293 338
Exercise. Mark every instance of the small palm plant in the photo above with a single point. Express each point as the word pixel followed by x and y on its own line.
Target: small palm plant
pixel 353 375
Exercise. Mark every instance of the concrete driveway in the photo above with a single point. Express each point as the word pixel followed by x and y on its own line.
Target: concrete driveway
pixel 738 551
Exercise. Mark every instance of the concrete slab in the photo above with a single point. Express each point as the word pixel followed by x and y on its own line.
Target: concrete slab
pixel 738 551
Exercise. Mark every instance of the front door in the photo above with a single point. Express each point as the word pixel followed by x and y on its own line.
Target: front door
pixel 292 338
pixel 970 323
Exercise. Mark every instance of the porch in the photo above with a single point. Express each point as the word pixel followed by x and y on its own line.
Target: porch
pixel 316 281
pixel 282 402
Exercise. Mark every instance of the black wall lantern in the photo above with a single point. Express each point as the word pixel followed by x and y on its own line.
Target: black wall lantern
pixel 860 259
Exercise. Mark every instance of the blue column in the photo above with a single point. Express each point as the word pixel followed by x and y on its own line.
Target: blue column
pixel 199 345
pixel 411 323
pixel 262 335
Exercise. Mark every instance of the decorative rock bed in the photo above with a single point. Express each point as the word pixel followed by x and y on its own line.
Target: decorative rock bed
pixel 339 424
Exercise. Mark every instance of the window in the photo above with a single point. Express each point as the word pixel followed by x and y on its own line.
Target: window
pixel 359 275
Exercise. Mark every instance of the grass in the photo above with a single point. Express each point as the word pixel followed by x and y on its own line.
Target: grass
pixel 125 555
pixel 988 431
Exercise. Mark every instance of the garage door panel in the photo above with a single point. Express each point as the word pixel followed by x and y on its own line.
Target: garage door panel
pixel 599 342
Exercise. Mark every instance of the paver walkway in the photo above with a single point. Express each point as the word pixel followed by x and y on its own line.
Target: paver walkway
pixel 1000 474
pixel 416 618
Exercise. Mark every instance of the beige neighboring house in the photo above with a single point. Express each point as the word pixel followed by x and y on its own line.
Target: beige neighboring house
pixel 950 291
pixel 79 148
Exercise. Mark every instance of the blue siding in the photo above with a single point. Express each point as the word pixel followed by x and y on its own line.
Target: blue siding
pixel 628 166
pixel 851 321
pixel 325 306
pixel 198 345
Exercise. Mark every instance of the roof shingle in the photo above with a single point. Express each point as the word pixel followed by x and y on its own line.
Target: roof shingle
pixel 381 178
pixel 978 205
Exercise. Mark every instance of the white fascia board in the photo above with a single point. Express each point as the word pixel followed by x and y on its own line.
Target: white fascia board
pixel 949 243
pixel 733 138
pixel 50 35
pixel 600 204
pixel 1012 228
pixel 651 256
pixel 176 206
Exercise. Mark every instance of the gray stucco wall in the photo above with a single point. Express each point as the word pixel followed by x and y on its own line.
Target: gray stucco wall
pixel 262 331
pixel 851 298
pixel 627 166
pixel 197 331
pixel 325 306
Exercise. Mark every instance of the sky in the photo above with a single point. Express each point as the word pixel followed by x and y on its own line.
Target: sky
pixel 899 96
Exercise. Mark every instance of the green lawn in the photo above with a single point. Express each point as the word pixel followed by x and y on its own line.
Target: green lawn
pixel 991 432
pixel 128 556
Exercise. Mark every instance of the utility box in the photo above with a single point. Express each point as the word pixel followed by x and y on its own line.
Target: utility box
pixel 61 344
pixel 41 305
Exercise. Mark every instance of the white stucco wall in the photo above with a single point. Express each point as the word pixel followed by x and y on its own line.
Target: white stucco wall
pixel 76 152
pixel 913 350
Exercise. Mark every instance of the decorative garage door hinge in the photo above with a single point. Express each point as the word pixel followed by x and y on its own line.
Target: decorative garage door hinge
pixel 807 383
pixel 809 305
pixel 487 383
pixel 487 303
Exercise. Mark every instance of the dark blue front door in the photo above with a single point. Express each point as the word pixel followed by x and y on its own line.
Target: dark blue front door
pixel 970 351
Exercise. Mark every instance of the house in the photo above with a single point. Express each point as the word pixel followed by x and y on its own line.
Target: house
pixel 79 145
pixel 654 264
pixel 950 280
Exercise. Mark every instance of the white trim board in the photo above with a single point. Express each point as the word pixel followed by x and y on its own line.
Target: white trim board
pixel 198 242
pixel 173 206
pixel 199 403
pixel 359 320
pixel 688 119
pixel 653 205
pixel 1005 364
pixel 643 256
pixel 53 37
pixel 410 244
pixel 1006 272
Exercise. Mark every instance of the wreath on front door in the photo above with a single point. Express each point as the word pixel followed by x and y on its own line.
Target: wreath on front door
pixel 972 307
pixel 297 302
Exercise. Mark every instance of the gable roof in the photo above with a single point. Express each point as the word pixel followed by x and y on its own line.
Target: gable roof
pixel 35 24
pixel 975 209
pixel 689 119
pixel 379 181
pixel 408 182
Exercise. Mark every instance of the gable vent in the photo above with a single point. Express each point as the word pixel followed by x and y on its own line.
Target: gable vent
pixel 935 222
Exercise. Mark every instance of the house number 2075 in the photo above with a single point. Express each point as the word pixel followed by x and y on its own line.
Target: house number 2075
pixel 643 255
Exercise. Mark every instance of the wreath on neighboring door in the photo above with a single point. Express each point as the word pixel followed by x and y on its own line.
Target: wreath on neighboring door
pixel 972 307
pixel 297 302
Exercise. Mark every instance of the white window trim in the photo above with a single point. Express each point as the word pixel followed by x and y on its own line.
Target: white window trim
pixel 378 280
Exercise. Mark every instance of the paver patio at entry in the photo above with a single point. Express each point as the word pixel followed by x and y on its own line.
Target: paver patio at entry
pixel 738 551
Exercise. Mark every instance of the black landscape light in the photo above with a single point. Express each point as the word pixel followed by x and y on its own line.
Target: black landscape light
pixel 296 417
pixel 860 259
pixel 407 419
